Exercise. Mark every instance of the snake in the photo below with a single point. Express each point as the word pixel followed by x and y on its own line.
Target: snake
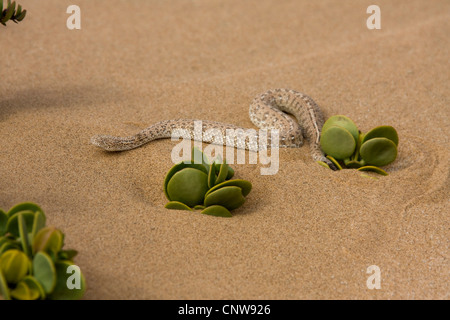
pixel 295 115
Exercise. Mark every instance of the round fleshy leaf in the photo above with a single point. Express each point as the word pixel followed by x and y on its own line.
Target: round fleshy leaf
pixel 44 271
pixel 344 122
pixel 335 162
pixel 382 132
pixel 38 224
pixel 4 289
pixel 230 172
pixel 175 205
pixel 24 292
pixel 70 283
pixel 179 167
pixel 188 186
pixel 35 285
pixel 378 151
pixel 26 206
pixel 352 164
pixel 23 232
pixel 8 246
pixel 373 169
pixel 223 173
pixel 3 222
pixel 199 207
pixel 323 164
pixel 15 265
pixel 67 254
pixel 198 157
pixel 245 185
pixel 337 142
pixel 228 197
pixel 217 211
pixel 49 240
pixel 13 222
pixel 211 175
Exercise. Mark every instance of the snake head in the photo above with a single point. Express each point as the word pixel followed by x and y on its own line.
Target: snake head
pixel 103 141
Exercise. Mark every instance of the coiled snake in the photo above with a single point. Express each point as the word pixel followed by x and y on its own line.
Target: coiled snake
pixel 267 111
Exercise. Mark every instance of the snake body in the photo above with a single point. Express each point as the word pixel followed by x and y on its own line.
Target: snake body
pixel 267 111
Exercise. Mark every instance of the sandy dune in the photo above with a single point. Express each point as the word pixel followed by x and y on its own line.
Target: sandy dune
pixel 306 232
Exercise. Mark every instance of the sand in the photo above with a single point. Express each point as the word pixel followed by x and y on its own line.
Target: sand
pixel 304 233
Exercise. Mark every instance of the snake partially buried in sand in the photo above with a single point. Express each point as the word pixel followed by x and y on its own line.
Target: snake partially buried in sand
pixel 267 111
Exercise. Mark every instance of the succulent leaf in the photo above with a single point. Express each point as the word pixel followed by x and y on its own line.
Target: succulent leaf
pixel 245 185
pixel 49 240
pixel 4 290
pixel 67 254
pixel 352 164
pixel 10 13
pixel 323 164
pixel 373 169
pixel 344 122
pixel 23 232
pixel 382 132
pixel 13 222
pixel 44 271
pixel 217 211
pixel 223 173
pixel 229 197
pixel 188 186
pixel 14 265
pixel 211 175
pixel 38 223
pixel 335 162
pixel 378 151
pixel 176 205
pixel 23 291
pixel 3 222
pixel 25 206
pixel 337 142
pixel 198 157
pixel 178 167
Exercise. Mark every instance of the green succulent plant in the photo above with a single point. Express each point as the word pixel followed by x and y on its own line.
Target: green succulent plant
pixel 11 13
pixel 33 264
pixel 204 186
pixel 347 148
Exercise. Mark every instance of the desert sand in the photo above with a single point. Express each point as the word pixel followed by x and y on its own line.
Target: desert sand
pixel 306 232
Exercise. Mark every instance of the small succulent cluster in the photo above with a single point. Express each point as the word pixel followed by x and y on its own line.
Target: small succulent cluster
pixel 347 147
pixel 10 13
pixel 200 185
pixel 32 263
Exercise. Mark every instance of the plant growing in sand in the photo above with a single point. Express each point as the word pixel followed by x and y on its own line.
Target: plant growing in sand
pixel 204 186
pixel 33 264
pixel 11 13
pixel 347 147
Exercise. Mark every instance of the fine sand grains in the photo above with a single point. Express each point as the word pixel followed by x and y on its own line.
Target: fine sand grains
pixel 305 232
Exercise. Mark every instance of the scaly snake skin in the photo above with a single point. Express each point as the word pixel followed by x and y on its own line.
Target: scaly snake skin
pixel 267 111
